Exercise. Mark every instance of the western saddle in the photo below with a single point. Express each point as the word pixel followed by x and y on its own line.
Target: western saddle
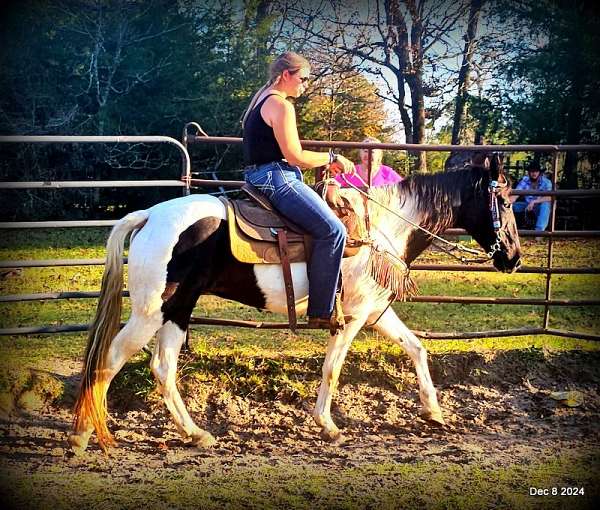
pixel 259 235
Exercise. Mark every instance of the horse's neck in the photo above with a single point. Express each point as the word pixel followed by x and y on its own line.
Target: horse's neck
pixel 421 209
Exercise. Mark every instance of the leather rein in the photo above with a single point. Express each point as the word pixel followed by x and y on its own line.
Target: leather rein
pixel 494 189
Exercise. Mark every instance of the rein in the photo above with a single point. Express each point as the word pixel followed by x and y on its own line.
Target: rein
pixel 494 188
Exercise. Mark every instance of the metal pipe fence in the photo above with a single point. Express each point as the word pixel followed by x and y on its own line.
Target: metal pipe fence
pixel 187 182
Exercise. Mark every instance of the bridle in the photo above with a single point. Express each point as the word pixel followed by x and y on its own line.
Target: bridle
pixel 494 188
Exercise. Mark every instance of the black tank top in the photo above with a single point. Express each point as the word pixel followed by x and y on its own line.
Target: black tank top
pixel 260 145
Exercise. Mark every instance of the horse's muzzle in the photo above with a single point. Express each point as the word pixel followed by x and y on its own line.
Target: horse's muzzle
pixel 507 265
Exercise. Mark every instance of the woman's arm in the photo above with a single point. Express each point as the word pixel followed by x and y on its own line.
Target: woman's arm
pixel 281 116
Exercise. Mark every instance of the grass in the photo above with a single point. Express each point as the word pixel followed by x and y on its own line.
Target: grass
pixel 89 243
pixel 226 351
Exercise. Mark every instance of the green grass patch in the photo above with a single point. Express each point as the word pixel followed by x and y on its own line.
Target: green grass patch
pixel 231 341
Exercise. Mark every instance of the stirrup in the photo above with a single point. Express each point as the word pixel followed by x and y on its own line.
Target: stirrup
pixel 333 327
pixel 335 323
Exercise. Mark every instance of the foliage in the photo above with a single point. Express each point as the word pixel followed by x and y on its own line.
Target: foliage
pixel 117 68
pixel 342 108
pixel 92 67
pixel 552 88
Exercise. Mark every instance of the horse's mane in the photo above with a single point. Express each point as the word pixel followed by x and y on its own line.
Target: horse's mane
pixel 433 197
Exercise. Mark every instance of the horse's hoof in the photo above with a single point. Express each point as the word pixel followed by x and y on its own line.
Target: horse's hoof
pixel 78 444
pixel 203 440
pixel 433 417
pixel 335 438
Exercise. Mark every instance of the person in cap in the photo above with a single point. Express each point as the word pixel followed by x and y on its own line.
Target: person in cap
pixel 537 205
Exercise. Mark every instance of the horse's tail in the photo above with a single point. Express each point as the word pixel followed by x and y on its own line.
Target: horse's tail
pixel 90 407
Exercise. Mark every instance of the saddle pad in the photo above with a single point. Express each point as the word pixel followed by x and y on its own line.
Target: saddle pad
pixel 257 222
pixel 252 251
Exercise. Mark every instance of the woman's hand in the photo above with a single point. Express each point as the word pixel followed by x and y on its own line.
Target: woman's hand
pixel 342 165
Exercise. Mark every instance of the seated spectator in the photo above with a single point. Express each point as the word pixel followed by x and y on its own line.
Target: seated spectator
pixel 381 174
pixel 539 206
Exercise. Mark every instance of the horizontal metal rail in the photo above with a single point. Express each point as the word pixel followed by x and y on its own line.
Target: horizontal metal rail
pixel 557 192
pixel 5 264
pixel 212 183
pixel 492 269
pixel 12 225
pixel 48 296
pixel 14 264
pixel 105 139
pixel 477 300
pixel 41 330
pixel 220 140
pixel 500 333
pixel 206 321
pixel 15 225
pixel 91 184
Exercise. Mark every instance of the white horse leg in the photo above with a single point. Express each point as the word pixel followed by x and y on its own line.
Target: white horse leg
pixel 164 367
pixel 392 327
pixel 131 339
pixel 337 348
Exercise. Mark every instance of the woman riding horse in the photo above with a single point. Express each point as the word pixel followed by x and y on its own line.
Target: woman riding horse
pixel 274 157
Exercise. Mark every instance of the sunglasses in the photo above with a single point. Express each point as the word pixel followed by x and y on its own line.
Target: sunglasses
pixel 303 79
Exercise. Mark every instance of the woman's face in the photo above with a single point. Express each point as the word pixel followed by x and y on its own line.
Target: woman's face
pixel 375 157
pixel 296 82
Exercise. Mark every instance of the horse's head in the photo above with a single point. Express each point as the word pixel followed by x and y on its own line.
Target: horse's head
pixel 487 215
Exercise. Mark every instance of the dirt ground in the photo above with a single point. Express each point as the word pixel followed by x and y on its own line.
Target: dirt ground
pixel 498 409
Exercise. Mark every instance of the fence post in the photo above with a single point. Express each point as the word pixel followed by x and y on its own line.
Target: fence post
pixel 551 240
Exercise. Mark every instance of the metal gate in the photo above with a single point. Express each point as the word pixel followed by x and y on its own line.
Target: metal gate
pixel 187 182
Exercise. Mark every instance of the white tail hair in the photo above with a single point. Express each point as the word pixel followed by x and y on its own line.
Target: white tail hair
pixel 90 407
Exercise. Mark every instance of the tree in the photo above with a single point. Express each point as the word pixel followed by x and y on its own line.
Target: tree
pixel 342 108
pixel 122 67
pixel 465 70
pixel 398 43
pixel 552 89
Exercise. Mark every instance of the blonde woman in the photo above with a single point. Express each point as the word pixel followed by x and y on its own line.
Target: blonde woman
pixel 381 174
pixel 275 160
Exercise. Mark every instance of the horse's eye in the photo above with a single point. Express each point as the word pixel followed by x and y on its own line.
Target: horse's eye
pixel 507 204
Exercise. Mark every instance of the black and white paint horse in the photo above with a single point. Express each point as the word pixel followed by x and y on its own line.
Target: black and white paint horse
pixel 180 250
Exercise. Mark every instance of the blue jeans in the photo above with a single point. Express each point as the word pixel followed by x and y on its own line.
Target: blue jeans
pixel 283 185
pixel 541 211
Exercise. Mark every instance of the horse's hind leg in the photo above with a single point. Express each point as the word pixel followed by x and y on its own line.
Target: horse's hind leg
pixel 392 327
pixel 164 367
pixel 131 339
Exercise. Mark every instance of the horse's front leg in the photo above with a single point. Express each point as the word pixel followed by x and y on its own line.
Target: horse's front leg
pixel 392 327
pixel 337 348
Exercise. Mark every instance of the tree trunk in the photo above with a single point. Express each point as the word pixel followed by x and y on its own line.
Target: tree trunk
pixel 418 115
pixel 465 70
pixel 569 177
pixel 263 9
pixel 404 116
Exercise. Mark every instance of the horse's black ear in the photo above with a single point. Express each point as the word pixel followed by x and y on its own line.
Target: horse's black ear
pixel 496 165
